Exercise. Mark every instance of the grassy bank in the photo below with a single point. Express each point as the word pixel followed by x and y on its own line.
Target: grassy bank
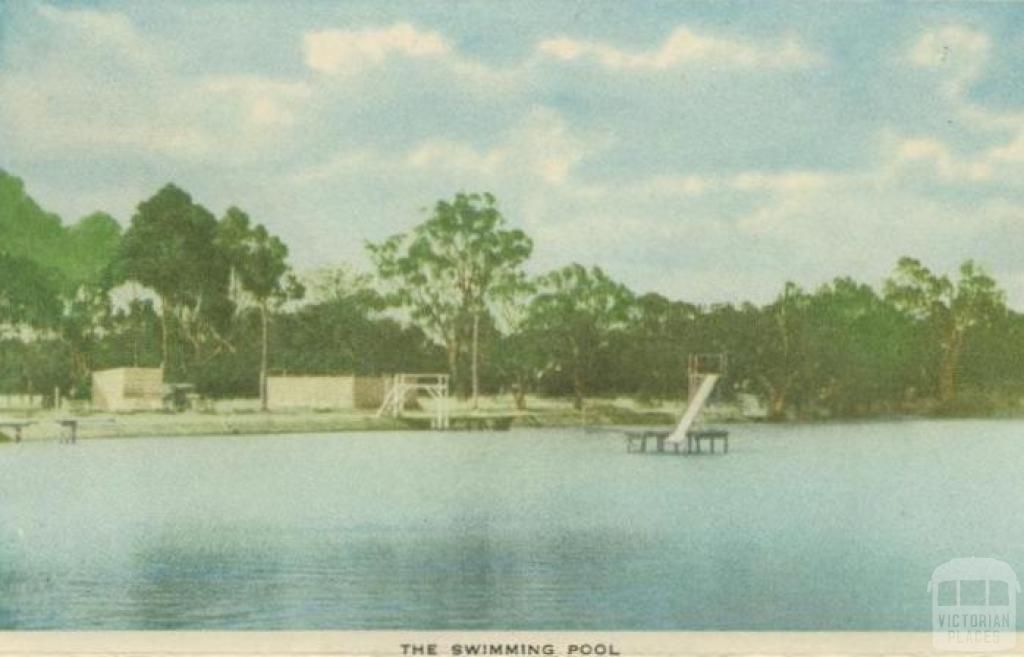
pixel 239 419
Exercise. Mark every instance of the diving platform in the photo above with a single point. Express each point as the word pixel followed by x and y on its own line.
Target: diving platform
pixel 637 441
pixel 704 372
pixel 405 388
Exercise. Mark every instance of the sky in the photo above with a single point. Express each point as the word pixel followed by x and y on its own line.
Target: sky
pixel 706 151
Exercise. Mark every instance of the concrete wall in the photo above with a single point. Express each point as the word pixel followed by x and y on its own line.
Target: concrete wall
pixel 325 392
pixel 128 389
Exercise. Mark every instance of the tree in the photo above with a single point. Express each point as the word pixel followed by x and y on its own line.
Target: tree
pixel 650 359
pixel 517 358
pixel 28 295
pixel 84 316
pixel 949 309
pixel 78 253
pixel 342 334
pixel 742 332
pixel 259 266
pixel 785 359
pixel 90 245
pixel 26 230
pixel 446 270
pixel 171 247
pixel 72 260
pixel 574 314
pixel 863 346
pixel 339 283
pixel 30 309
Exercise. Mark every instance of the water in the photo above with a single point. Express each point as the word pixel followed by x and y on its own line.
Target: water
pixel 798 528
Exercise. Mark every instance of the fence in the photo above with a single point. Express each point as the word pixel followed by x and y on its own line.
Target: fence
pixel 21 402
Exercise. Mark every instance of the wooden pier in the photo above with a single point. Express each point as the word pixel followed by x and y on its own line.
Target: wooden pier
pixel 68 427
pixel 637 440
pixel 69 430
pixel 703 373
pixel 489 421
pixel 467 421
pixel 16 426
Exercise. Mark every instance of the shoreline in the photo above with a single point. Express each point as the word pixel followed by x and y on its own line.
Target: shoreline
pixel 44 424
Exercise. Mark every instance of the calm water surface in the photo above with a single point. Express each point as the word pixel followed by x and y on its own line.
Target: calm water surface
pixel 798 528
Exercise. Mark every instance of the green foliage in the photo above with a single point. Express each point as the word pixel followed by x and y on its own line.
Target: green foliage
pixel 27 230
pixel 172 248
pixel 77 255
pixel 948 310
pixel 258 260
pixel 258 265
pixel 90 246
pixel 223 300
pixel 573 316
pixel 28 294
pixel 452 268
pixel 342 335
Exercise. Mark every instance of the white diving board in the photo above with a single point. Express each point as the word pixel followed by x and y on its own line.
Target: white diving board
pixel 707 384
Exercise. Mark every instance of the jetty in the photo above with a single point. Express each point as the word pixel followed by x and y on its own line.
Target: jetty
pixel 637 440
pixel 17 426
pixel 704 371
pixel 68 426
pixel 468 421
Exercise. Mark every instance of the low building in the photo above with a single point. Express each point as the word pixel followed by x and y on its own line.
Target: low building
pixel 128 389
pixel 326 392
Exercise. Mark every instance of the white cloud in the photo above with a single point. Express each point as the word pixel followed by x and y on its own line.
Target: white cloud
pixel 541 147
pixel 782 181
pixel 454 156
pixel 911 154
pixel 343 53
pixel 958 51
pixel 92 27
pixel 960 54
pixel 746 182
pixel 265 102
pixel 1010 152
pixel 49 115
pixel 687 185
pixel 114 88
pixel 544 144
pixel 682 47
pixel 348 51
pixel 663 184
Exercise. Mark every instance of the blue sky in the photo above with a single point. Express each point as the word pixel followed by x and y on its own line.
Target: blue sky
pixel 708 151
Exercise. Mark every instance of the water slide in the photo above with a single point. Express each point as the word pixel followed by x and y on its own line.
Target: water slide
pixel 707 384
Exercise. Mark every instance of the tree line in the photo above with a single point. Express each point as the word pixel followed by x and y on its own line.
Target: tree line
pixel 215 302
